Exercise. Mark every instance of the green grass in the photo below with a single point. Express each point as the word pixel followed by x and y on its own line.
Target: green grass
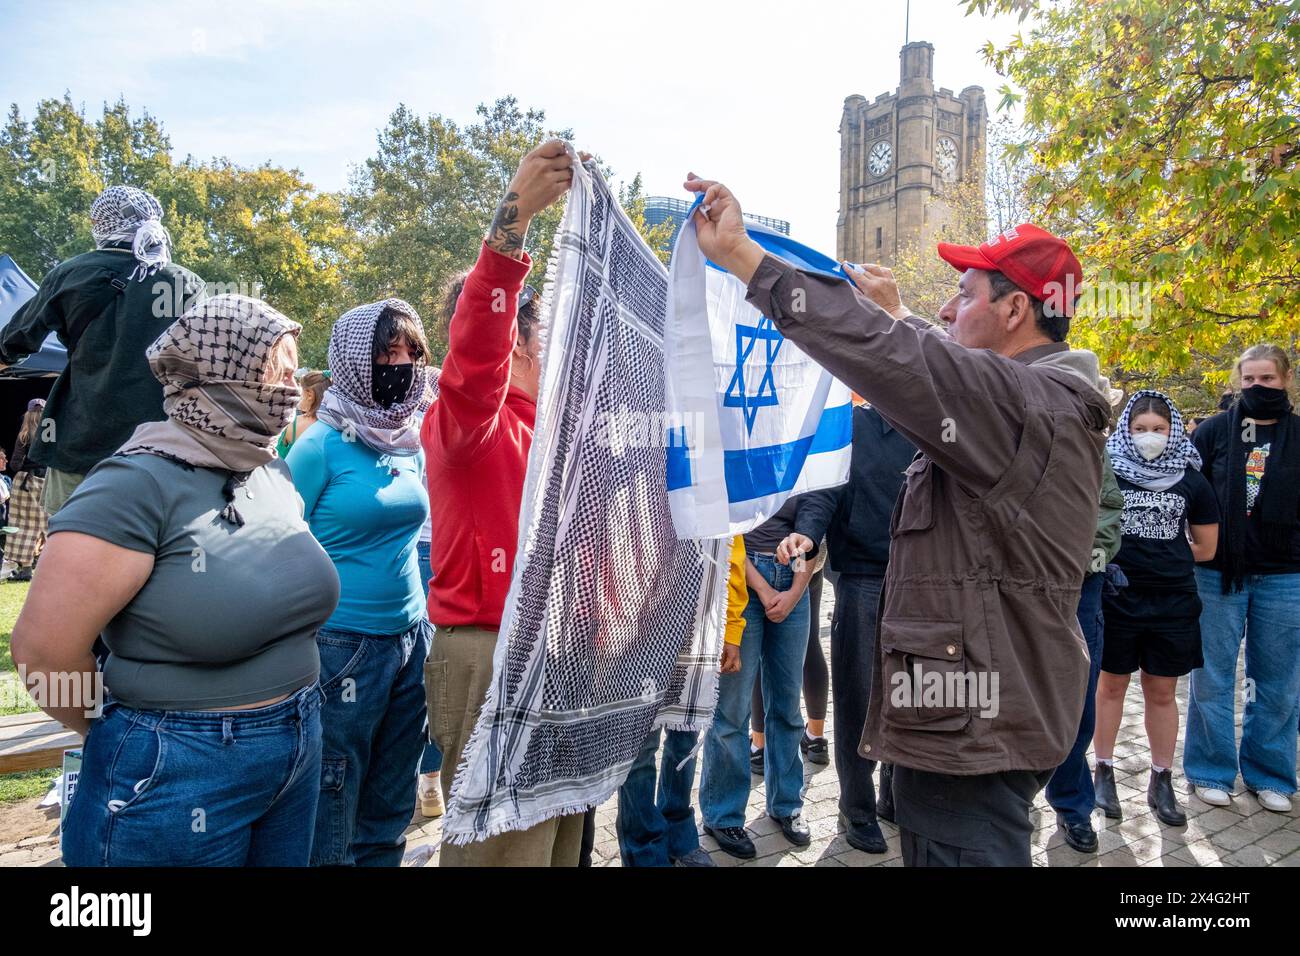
pixel 30 784
pixel 13 697
pixel 27 785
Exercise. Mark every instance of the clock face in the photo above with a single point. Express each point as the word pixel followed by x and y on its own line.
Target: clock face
pixel 945 157
pixel 880 158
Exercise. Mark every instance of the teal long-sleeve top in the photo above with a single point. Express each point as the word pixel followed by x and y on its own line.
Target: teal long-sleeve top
pixel 366 509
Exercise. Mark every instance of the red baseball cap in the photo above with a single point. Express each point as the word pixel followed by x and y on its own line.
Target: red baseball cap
pixel 1035 260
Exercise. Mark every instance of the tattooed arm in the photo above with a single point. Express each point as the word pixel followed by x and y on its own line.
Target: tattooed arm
pixel 543 177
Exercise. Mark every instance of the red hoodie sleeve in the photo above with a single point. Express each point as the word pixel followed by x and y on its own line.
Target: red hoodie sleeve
pixel 476 372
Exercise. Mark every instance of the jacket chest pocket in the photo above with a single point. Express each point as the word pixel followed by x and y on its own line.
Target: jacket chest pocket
pixel 915 511
pixel 924 680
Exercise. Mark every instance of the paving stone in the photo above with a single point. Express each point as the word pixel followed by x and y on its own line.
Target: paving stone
pixel 1281 842
pixel 1234 838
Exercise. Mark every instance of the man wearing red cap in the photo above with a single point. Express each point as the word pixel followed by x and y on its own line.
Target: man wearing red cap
pixel 981 668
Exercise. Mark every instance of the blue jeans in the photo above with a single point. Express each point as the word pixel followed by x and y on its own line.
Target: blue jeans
pixel 773 653
pixel 656 830
pixel 1070 790
pixel 431 762
pixel 198 788
pixel 1267 612
pixel 372 720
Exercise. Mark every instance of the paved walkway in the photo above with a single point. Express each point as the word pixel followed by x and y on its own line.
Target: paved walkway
pixel 1244 834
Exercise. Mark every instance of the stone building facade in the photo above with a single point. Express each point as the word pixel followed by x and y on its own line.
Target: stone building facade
pixel 896 154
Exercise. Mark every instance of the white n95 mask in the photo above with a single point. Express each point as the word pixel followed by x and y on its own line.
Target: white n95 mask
pixel 1150 445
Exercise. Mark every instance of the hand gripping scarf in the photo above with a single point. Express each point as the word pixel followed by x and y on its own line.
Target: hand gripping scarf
pixel 220 414
pixel 1164 471
pixel 126 214
pixel 612 625
pixel 348 405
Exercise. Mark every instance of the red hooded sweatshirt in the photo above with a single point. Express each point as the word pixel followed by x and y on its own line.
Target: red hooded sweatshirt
pixel 476 438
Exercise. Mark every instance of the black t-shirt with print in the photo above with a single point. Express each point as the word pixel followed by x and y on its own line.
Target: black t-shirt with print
pixel 1155 552
pixel 1260 559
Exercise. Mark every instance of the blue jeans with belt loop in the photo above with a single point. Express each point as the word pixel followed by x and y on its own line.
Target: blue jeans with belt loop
pixel 198 788
pixel 773 653
pixel 372 719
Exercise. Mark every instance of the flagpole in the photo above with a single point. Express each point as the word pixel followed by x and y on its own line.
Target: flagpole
pixel 907 22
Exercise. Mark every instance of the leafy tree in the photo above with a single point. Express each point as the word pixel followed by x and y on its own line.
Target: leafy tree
pixel 1167 139
pixel 414 214
pixel 48 179
pixel 631 196
pixel 421 204
pixel 958 214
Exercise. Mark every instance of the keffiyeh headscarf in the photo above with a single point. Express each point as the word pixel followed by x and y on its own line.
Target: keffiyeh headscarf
pixel 220 414
pixel 1167 469
pixel 350 407
pixel 127 214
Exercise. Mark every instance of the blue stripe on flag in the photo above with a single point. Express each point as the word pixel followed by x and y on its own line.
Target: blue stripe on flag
pixel 757 472
pixel 678 459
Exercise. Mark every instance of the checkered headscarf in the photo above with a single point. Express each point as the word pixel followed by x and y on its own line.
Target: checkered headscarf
pixel 220 413
pixel 127 214
pixel 1168 468
pixel 349 407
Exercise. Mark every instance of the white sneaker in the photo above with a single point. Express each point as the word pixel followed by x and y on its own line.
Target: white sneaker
pixel 1272 800
pixel 430 793
pixel 1213 796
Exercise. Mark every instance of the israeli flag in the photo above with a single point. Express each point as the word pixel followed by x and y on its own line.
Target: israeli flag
pixel 752 419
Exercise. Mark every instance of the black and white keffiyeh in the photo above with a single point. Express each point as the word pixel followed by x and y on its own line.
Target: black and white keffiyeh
pixel 349 406
pixel 127 214
pixel 612 625
pixel 1162 472
pixel 220 413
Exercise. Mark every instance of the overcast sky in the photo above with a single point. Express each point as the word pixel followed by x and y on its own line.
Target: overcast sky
pixel 750 91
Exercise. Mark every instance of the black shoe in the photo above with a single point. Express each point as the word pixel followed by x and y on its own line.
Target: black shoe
pixel 1161 799
pixel 815 749
pixel 795 828
pixel 1080 836
pixel 756 761
pixel 733 840
pixel 1103 782
pixel 885 802
pixel 864 836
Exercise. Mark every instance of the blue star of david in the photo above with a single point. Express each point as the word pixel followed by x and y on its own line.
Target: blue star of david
pixel 737 396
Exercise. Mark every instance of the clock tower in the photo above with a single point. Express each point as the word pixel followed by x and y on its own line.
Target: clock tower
pixel 896 155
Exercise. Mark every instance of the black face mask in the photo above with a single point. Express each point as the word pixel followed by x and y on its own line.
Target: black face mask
pixel 1260 401
pixel 390 384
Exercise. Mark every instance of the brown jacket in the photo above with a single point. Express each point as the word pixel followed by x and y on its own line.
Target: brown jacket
pixel 980 663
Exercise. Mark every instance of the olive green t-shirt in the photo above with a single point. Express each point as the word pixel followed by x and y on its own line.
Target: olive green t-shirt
pixel 229 614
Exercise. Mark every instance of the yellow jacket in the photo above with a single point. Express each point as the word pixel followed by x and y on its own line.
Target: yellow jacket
pixel 737 591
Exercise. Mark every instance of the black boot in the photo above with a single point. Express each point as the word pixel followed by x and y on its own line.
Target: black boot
pixel 885 802
pixel 1161 799
pixel 1103 782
